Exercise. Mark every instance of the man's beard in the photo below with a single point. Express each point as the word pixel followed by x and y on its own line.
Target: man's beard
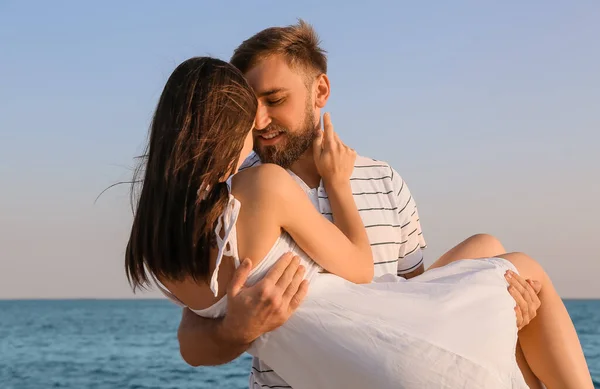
pixel 292 147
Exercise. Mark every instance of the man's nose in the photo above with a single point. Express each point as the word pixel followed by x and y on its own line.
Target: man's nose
pixel 262 119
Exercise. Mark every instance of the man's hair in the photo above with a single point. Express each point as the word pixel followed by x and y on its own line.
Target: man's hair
pixel 298 43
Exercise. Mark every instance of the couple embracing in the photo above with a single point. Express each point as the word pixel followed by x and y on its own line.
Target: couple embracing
pixel 278 240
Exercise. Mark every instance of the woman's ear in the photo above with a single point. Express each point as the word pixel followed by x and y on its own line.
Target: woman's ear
pixel 322 91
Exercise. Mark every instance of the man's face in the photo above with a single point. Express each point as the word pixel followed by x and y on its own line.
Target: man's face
pixel 286 118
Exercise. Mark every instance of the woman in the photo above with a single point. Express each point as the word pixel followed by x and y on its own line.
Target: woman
pixel 196 217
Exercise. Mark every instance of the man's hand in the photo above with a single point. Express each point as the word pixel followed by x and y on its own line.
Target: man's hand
pixel 255 310
pixel 525 292
pixel 251 312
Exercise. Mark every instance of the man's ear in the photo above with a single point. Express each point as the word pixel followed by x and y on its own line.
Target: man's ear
pixel 322 90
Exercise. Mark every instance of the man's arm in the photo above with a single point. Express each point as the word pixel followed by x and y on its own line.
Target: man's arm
pixel 251 312
pixel 418 271
pixel 204 342
pixel 410 256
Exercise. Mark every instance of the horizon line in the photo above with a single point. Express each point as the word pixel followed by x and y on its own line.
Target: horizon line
pixel 2 299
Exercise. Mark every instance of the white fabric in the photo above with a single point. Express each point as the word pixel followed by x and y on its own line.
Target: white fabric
pixel 226 224
pixel 452 327
pixel 389 213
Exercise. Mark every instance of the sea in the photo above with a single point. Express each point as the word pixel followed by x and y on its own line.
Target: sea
pixel 113 344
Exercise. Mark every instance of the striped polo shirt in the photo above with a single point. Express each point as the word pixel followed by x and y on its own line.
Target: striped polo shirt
pixel 390 215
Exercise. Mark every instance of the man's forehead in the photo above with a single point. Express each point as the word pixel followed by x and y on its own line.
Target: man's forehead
pixel 272 75
pixel 269 91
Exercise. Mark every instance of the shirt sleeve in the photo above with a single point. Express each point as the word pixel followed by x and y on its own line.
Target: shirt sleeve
pixel 412 242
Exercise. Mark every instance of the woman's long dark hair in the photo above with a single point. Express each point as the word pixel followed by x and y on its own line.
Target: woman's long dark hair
pixel 198 131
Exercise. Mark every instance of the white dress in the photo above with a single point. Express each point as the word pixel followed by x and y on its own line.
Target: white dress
pixel 452 327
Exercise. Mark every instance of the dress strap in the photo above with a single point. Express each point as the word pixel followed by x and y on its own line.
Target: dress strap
pixel 227 245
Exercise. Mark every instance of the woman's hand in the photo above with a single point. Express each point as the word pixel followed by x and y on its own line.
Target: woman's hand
pixel 525 292
pixel 334 160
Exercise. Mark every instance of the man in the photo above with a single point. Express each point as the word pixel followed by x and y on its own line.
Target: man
pixel 288 72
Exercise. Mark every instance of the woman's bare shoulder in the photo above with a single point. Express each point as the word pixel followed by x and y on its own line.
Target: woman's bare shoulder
pixel 260 182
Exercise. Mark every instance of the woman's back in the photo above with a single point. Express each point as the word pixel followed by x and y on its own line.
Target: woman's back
pixel 249 220
pixel 257 227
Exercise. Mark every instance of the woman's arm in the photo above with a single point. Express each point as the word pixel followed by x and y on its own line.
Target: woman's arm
pixel 342 248
pixel 281 200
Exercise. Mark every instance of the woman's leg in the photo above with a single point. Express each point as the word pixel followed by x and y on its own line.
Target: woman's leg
pixel 476 246
pixel 532 381
pixel 486 246
pixel 549 342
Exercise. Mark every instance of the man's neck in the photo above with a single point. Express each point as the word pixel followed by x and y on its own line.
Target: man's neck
pixel 306 169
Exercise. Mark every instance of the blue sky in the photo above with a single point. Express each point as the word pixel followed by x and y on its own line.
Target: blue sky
pixel 490 112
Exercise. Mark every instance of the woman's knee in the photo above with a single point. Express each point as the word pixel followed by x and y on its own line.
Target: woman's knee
pixel 476 246
pixel 526 266
pixel 488 244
